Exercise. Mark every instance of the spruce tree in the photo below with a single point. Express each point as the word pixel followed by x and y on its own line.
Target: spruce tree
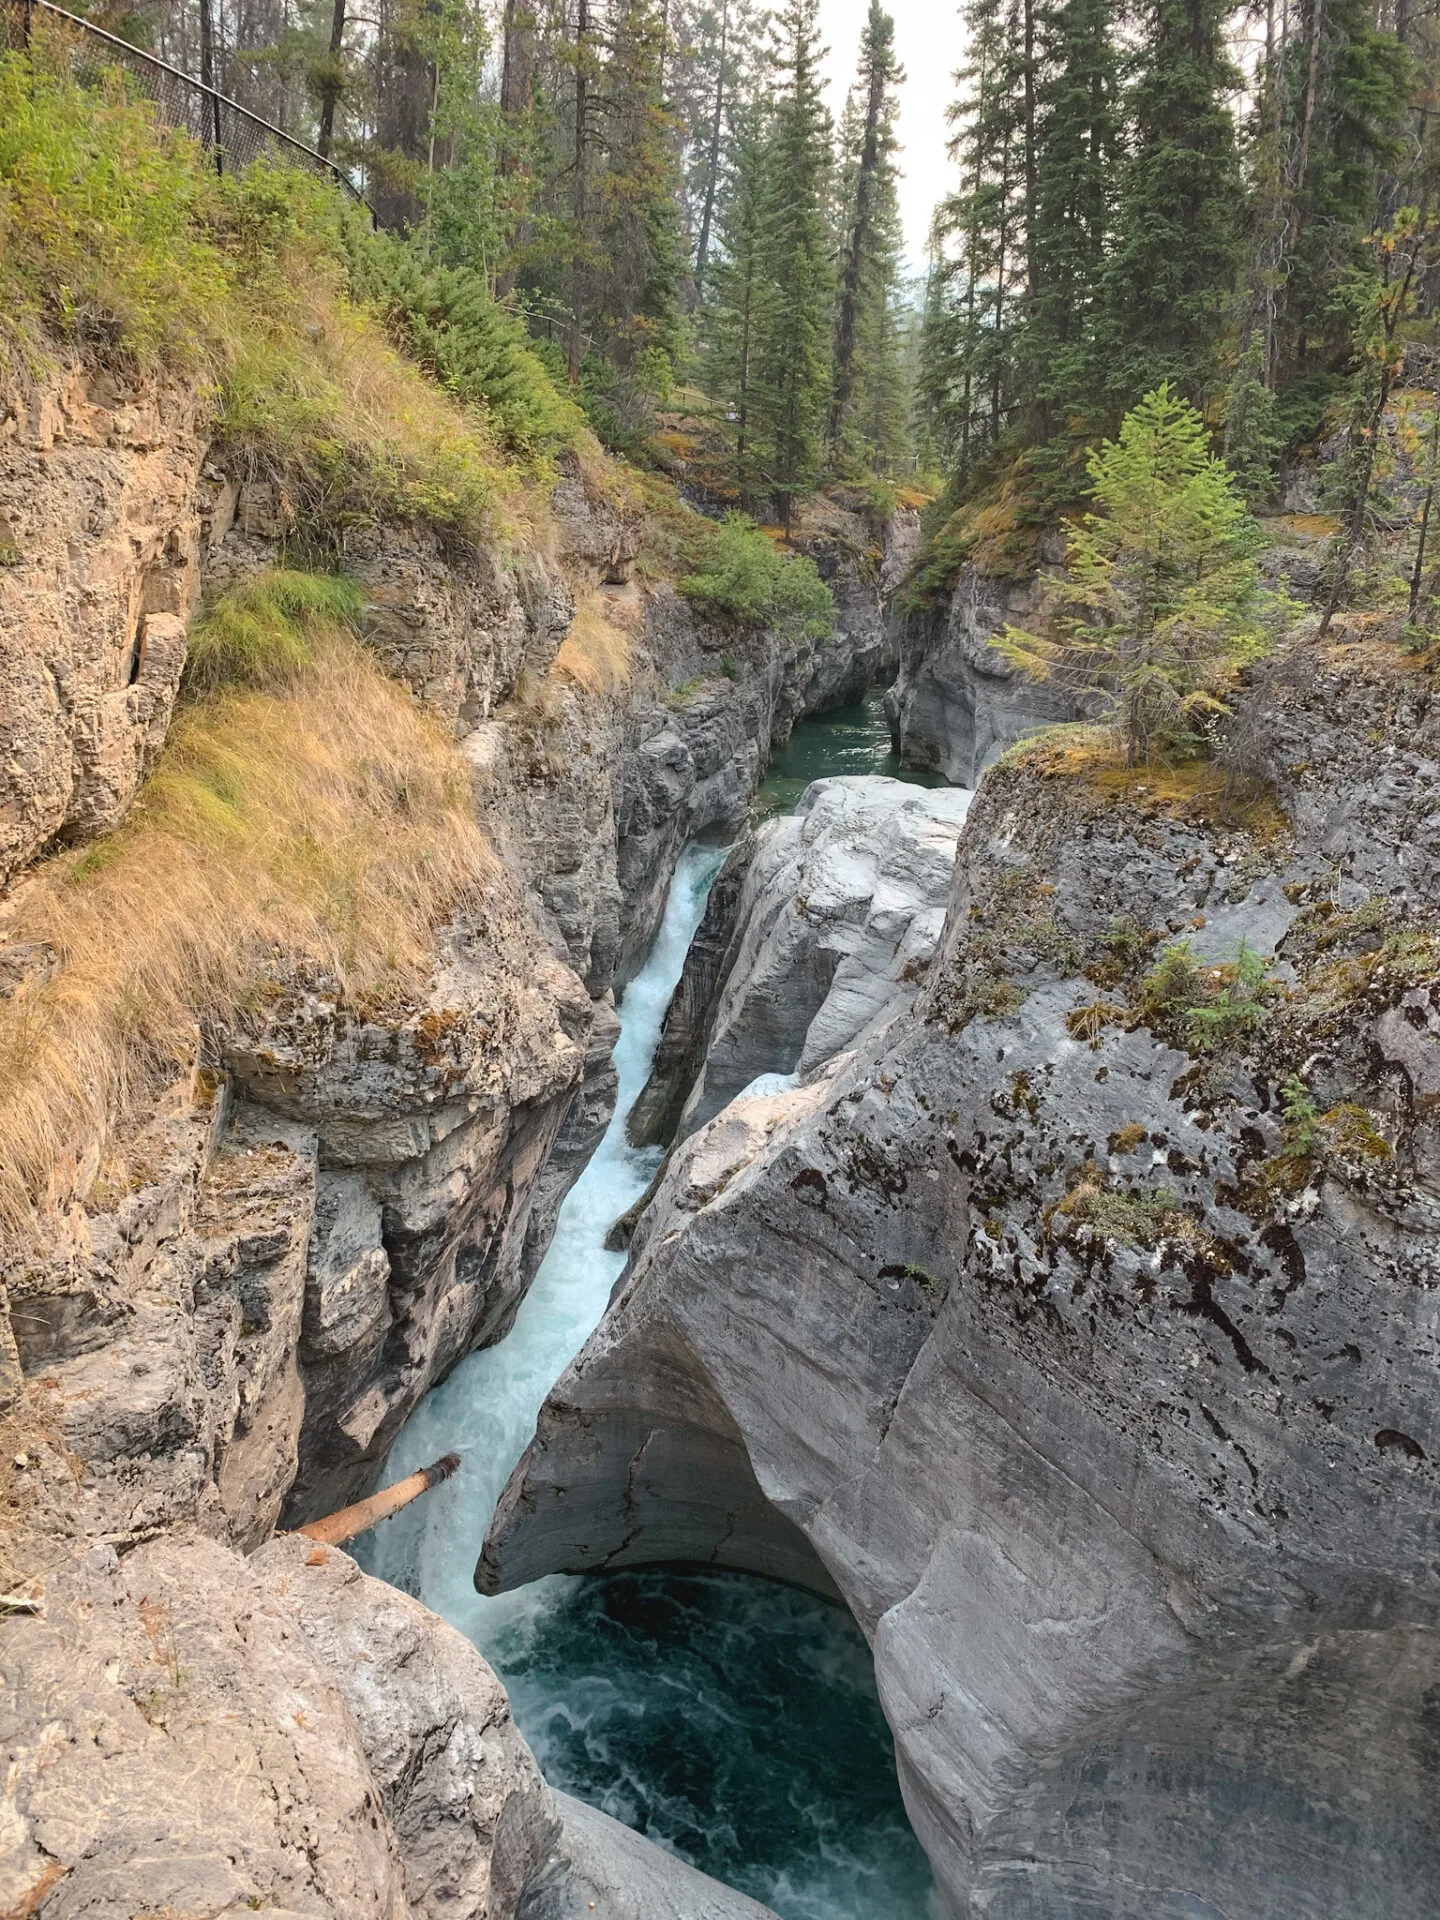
pixel 1169 286
pixel 1077 142
pixel 736 293
pixel 1163 596
pixel 791 386
pixel 866 327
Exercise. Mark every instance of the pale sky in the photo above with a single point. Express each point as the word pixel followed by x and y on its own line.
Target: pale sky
pixel 929 40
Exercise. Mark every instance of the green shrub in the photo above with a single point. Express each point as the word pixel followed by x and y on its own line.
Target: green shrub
pixel 261 633
pixel 473 347
pixel 1301 1115
pixel 1209 1006
pixel 740 573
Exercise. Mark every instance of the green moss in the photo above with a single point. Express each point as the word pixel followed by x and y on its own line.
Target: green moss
pixel 1012 929
pixel 1134 1217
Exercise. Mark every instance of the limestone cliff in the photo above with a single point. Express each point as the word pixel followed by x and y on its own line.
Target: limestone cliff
pixel 1079 1333
pixel 223 1314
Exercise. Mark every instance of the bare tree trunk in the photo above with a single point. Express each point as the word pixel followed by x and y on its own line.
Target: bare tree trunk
pixel 855 252
pixel 578 190
pixel 702 251
pixel 331 94
pixel 207 44
pixel 336 1528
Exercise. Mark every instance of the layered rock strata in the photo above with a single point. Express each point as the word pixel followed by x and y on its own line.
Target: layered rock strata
pixel 103 518
pixel 1086 1345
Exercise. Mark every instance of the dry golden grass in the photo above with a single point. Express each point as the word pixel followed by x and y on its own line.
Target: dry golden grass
pixel 327 824
pixel 1196 790
pixel 312 383
pixel 598 650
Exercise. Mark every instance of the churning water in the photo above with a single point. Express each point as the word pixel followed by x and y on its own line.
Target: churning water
pixel 733 1720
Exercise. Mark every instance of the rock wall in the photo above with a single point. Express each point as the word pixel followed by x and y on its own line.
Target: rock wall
pixel 1100 1387
pixel 188 1732
pixel 103 516
pixel 957 702
pixel 836 918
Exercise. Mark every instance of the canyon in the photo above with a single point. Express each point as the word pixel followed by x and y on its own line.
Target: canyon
pixel 978 1289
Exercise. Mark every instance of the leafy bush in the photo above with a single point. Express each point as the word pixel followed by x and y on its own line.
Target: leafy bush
pixel 741 574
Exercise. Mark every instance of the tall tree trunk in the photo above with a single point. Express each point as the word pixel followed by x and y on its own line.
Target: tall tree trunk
pixel 332 79
pixel 702 251
pixel 207 44
pixel 517 76
pixel 578 189
pixel 859 240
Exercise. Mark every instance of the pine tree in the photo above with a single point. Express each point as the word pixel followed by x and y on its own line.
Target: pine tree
pixel 638 243
pixel 866 330
pixel 791 385
pixel 1165 581
pixel 973 311
pixel 1077 141
pixel 1169 287
pixel 737 295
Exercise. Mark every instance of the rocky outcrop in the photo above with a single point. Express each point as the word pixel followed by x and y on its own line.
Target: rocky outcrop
pixel 957 702
pixel 862 566
pixel 188 1732
pixel 654 1119
pixel 834 927
pixel 603 1868
pixel 1087 1346
pixel 103 515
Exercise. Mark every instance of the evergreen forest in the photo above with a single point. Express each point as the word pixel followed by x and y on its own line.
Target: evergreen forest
pixel 1237 206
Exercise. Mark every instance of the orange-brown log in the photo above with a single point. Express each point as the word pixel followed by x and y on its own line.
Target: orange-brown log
pixel 336 1528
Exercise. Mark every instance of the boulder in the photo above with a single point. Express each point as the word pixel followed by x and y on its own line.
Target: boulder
pixel 838 918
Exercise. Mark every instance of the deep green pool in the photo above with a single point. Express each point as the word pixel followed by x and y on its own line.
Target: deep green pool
pixel 849 740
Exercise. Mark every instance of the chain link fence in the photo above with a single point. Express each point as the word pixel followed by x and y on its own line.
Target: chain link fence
pixel 230 132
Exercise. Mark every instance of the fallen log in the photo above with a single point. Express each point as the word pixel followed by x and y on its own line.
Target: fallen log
pixel 336 1528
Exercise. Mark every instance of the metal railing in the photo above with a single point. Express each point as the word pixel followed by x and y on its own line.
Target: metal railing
pixel 232 133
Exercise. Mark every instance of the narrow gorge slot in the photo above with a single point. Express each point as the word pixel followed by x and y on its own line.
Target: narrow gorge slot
pixel 731 1717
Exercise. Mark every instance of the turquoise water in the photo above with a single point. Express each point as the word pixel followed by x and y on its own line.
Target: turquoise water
pixel 850 740
pixel 733 1720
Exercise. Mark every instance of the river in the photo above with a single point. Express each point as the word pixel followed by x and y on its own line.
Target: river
pixel 731 1719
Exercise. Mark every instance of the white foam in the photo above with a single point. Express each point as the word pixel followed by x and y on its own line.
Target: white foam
pixel 486 1410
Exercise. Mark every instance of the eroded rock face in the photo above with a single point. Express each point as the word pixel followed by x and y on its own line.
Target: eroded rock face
pixel 291 1268
pixel 1105 1401
pixel 838 918
pixel 603 1868
pixel 189 1732
pixel 958 703
pixel 103 515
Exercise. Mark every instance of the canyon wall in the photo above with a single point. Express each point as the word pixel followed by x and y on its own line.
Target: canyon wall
pixel 333 1206
pixel 1087 1346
